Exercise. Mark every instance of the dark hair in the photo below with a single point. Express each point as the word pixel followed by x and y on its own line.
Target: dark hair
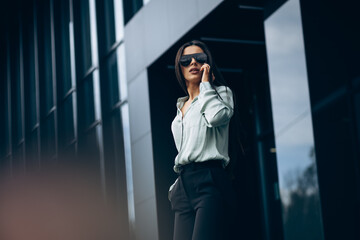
pixel 236 149
pixel 219 80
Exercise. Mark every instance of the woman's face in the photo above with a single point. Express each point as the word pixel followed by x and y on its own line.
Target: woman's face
pixel 192 72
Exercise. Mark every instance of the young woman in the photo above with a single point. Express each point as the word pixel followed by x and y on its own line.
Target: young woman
pixel 202 196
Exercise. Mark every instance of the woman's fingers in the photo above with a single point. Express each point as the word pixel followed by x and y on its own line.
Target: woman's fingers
pixel 206 69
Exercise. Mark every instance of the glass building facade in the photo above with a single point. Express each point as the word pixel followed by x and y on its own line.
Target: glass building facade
pixel 92 82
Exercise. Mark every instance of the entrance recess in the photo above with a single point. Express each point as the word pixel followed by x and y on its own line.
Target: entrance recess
pixel 235 35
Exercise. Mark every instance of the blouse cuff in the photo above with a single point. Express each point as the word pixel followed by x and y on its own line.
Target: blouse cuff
pixel 205 86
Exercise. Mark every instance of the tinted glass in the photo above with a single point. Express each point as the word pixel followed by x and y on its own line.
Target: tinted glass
pixel 296 158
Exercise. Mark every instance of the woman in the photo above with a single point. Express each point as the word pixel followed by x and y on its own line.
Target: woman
pixel 201 197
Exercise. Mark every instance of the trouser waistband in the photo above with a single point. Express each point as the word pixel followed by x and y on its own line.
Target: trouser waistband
pixel 201 165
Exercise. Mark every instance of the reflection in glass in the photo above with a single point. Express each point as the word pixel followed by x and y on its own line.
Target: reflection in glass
pixel 295 149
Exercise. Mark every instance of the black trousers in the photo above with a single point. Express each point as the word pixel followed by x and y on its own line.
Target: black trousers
pixel 204 203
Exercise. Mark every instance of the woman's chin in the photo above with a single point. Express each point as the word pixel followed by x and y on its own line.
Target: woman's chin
pixel 194 80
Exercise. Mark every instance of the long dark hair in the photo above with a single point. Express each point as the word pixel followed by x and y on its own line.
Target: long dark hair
pixel 236 149
pixel 219 80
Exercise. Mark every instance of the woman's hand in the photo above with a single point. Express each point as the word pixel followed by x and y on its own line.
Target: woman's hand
pixel 206 70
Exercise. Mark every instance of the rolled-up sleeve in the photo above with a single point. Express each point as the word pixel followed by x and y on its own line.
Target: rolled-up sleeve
pixel 215 110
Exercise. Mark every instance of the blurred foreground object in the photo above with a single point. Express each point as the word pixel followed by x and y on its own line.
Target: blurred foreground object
pixel 56 203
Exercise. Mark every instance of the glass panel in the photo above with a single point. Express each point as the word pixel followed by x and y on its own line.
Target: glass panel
pixel 106 25
pixel 32 151
pixel 109 83
pixel 29 69
pixel 15 87
pixel 62 42
pixel 18 158
pixel 89 148
pixel 68 154
pixel 82 37
pixel 130 7
pixel 45 62
pixel 293 124
pixel 86 103
pixel 48 138
pixel 66 134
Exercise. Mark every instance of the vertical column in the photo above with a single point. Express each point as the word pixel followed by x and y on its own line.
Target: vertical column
pixel 22 97
pixel 123 93
pixel 9 105
pixel 96 88
pixel 53 75
pixel 37 85
pixel 73 73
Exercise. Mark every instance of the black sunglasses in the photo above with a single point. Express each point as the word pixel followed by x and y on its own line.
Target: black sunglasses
pixel 185 60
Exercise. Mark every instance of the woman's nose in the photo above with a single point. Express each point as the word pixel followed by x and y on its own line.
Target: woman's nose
pixel 192 61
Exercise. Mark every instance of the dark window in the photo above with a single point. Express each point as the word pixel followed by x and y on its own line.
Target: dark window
pixel 29 68
pixel 82 37
pixel 62 44
pixel 105 26
pixel 86 112
pixel 109 83
pixel 44 54
pixel 130 8
pixel 66 124
pixel 48 138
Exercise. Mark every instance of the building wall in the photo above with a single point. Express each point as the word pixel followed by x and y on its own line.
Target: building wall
pixel 157 26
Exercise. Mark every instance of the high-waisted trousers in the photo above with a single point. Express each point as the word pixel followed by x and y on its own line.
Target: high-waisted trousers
pixel 204 203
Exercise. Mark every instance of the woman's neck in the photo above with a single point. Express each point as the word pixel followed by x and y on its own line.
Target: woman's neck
pixel 193 90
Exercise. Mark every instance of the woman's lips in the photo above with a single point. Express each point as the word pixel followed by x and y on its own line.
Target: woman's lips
pixel 194 71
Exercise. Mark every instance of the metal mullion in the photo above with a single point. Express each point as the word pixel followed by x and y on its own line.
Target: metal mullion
pixel 52 110
pixel 37 86
pixel 68 94
pixel 88 73
pixel 53 61
pixel 22 97
pixel 8 80
pixel 96 87
pixel 124 116
pixel 123 107
pixel 73 73
pixel 112 49
pixel 36 126
pixel 69 143
pixel 20 142
pixel 122 78
pixel 92 126
pixel 118 105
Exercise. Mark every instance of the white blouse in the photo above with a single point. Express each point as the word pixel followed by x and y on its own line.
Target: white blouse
pixel 202 134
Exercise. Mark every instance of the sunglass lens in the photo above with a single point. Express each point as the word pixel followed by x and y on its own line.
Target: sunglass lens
pixel 185 61
pixel 201 58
